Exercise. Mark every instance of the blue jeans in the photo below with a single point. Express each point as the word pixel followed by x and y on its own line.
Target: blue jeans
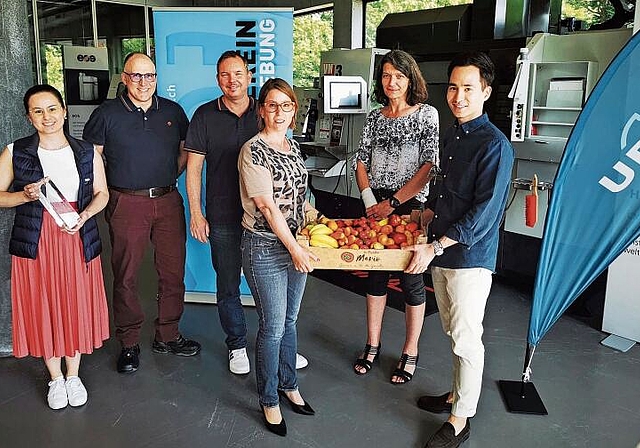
pixel 277 289
pixel 226 257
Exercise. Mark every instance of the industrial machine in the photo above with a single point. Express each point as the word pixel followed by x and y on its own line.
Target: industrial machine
pixel 555 76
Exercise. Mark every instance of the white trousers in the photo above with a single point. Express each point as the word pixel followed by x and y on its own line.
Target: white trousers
pixel 462 295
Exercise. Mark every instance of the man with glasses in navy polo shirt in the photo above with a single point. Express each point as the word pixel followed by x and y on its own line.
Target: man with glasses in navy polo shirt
pixel 217 131
pixel 141 136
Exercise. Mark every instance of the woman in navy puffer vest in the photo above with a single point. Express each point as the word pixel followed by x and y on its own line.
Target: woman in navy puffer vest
pixel 59 307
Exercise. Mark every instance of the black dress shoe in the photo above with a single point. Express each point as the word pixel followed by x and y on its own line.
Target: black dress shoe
pixel 446 436
pixel 276 428
pixel 180 347
pixel 128 361
pixel 437 405
pixel 303 409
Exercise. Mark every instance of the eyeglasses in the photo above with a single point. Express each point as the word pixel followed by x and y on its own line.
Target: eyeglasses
pixel 40 112
pixel 273 106
pixel 137 77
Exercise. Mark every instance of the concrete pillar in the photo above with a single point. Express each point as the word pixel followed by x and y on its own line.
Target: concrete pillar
pixel 16 76
pixel 348 23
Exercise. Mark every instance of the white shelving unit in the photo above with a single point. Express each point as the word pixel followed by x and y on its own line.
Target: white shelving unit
pixel 552 113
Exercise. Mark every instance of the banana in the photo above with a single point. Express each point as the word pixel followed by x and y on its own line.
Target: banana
pixel 323 241
pixel 320 229
pixel 320 244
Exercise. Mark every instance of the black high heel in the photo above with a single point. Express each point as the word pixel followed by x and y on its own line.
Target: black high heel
pixel 405 360
pixel 304 409
pixel 363 362
pixel 276 428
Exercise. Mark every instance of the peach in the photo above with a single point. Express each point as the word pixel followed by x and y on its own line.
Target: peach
pixel 386 229
pixel 332 225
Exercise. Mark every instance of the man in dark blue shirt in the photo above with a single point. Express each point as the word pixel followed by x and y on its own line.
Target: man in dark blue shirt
pixel 217 131
pixel 141 136
pixel 465 208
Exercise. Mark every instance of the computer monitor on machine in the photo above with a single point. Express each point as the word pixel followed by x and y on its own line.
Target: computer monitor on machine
pixel 344 95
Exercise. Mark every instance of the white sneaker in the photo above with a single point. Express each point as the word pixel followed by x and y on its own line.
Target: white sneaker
pixel 239 361
pixel 57 396
pixel 301 361
pixel 75 391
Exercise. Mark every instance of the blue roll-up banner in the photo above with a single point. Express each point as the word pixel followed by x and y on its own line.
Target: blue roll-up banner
pixel 594 212
pixel 188 43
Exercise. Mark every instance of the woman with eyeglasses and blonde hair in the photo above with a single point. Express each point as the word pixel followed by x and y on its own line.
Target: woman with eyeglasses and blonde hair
pixel 59 306
pixel 273 188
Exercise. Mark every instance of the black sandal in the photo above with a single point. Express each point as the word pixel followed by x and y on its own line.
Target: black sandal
pixel 400 372
pixel 363 362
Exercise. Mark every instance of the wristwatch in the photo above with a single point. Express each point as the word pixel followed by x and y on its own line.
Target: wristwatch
pixel 438 248
pixel 394 202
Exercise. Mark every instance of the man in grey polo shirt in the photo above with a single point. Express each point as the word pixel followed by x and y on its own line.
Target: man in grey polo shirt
pixel 217 131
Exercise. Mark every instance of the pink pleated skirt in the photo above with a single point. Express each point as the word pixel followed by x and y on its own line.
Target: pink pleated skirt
pixel 59 302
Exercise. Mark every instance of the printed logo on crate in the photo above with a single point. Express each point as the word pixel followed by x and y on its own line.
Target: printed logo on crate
pixel 347 257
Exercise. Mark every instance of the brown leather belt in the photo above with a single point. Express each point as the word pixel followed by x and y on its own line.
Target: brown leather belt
pixel 154 192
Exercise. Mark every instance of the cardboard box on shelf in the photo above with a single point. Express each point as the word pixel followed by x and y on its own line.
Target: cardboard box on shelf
pixel 362 259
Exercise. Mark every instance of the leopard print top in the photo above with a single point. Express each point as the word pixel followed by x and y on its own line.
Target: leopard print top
pixel 267 171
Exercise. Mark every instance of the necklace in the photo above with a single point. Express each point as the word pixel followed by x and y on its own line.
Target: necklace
pixel 63 145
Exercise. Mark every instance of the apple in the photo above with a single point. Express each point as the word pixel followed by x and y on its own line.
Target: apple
pixel 399 237
pixel 411 226
pixel 346 230
pixel 354 246
pixel 377 246
pixel 383 239
pixel 400 228
pixel 393 246
pixel 394 220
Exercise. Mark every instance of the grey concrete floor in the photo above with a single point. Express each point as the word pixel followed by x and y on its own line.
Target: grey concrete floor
pixel 591 391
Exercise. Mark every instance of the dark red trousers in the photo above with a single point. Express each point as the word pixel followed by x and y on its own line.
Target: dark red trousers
pixel 133 222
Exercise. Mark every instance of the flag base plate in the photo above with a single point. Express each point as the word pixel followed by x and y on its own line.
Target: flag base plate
pixel 519 400
pixel 618 343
